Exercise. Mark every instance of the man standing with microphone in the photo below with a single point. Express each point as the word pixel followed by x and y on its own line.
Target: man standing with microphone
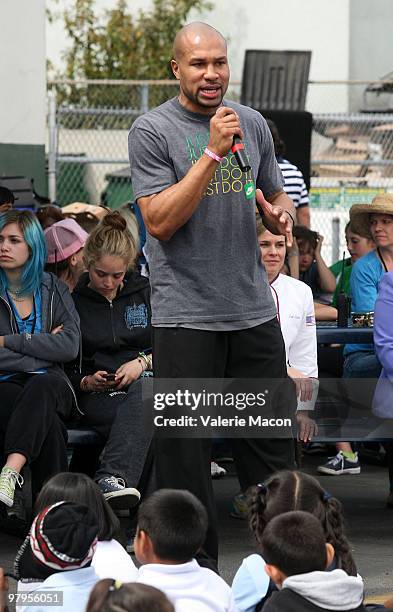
pixel 212 311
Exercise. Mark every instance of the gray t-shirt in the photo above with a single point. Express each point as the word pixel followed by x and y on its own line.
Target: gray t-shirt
pixel 210 270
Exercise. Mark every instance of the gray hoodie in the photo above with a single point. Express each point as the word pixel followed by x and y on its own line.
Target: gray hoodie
pixel 333 590
pixel 29 352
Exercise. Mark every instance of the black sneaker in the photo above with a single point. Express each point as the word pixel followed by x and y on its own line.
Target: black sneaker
pixel 339 464
pixel 117 494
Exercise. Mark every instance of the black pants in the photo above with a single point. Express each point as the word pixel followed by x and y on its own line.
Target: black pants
pixel 118 418
pixel 33 409
pixel 257 352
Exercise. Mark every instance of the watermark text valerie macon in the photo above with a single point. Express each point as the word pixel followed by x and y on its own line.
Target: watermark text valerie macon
pixel 220 407
pixel 220 421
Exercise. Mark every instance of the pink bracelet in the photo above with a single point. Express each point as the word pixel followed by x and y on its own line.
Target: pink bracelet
pixel 217 158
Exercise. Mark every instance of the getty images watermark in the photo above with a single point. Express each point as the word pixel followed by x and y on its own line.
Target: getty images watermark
pixel 220 407
pixel 211 400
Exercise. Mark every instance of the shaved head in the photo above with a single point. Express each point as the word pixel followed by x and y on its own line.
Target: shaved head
pixel 192 34
pixel 200 64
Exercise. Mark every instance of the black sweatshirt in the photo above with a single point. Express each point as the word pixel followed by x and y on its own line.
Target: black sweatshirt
pixel 112 332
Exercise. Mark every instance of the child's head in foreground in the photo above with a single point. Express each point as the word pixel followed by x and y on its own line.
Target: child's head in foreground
pixel 171 527
pixel 294 543
pixel 113 596
pixel 293 490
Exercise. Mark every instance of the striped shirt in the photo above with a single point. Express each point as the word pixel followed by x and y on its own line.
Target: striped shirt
pixel 294 184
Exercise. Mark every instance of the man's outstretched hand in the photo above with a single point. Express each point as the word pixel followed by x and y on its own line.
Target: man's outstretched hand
pixel 275 218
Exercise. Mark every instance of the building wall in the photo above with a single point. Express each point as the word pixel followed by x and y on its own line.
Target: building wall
pixel 318 25
pixel 349 39
pixel 23 97
pixel 371 55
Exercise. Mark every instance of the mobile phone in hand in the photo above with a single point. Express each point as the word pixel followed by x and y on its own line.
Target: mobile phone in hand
pixel 110 377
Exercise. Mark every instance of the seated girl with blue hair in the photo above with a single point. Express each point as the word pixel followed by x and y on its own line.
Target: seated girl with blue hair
pixel 39 331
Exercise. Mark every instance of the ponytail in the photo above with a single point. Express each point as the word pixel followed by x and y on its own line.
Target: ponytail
pixel 335 535
pixel 256 501
pixel 110 237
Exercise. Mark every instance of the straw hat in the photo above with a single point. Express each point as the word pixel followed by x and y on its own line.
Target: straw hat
pixel 76 208
pixel 359 213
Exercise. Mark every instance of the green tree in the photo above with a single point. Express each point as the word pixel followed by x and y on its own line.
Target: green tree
pixel 118 45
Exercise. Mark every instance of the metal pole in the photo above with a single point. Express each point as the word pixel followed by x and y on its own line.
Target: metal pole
pixel 52 145
pixel 144 97
pixel 335 239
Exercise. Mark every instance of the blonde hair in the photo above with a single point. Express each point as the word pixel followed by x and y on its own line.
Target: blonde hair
pixel 260 227
pixel 132 223
pixel 110 237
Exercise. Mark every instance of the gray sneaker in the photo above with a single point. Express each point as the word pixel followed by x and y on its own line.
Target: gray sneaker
pixel 117 494
pixel 9 478
pixel 339 465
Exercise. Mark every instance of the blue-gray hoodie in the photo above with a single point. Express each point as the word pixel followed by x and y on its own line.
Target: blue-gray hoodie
pixel 29 352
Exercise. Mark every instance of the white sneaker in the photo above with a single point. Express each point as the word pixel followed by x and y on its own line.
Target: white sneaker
pixel 216 470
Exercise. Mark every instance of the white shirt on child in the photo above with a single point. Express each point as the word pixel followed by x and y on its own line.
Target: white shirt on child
pixel 190 587
pixel 110 560
pixel 74 586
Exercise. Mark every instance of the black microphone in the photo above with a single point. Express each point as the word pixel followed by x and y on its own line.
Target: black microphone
pixel 240 153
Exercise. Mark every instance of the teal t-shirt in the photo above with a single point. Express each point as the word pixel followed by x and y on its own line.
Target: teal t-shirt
pixel 29 325
pixel 33 323
pixel 364 281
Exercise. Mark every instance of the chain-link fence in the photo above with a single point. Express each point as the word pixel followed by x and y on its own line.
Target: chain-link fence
pixel 356 148
pixel 352 161
pixel 352 153
pixel 90 162
pixel 90 121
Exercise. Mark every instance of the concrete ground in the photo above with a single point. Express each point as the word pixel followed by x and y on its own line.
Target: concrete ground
pixel 369 525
